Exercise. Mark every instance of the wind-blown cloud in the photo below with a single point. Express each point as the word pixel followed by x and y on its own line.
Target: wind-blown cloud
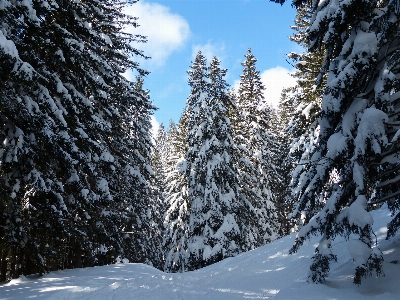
pixel 274 80
pixel 209 50
pixel 166 31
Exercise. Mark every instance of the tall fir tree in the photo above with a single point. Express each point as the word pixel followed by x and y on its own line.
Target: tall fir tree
pixel 214 227
pixel 298 118
pixel 356 144
pixel 255 147
pixel 176 220
pixel 159 165
pixel 69 137
pixel 144 212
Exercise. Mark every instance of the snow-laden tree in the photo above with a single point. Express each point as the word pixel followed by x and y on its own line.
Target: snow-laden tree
pixel 215 225
pixel 354 159
pixel 74 133
pixel 143 212
pixel 298 117
pixel 255 147
pixel 176 220
pixel 159 165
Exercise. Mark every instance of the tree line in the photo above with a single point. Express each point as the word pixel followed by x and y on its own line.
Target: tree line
pixel 82 182
pixel 75 172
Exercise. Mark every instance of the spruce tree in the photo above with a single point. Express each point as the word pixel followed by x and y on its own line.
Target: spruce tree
pixel 298 118
pixel 176 221
pixel 215 227
pixel 73 130
pixel 159 165
pixel 356 144
pixel 255 147
pixel 158 204
pixel 144 212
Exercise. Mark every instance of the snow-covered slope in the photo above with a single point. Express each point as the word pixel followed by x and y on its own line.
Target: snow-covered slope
pixel 265 273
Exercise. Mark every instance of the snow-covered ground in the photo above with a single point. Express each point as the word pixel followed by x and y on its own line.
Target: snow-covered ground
pixel 265 273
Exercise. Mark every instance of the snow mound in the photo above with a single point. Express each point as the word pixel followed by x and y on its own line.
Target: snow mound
pixel 268 272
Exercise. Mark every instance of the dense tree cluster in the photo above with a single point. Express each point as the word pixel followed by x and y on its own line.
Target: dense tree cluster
pixel 83 182
pixel 220 200
pixel 75 155
pixel 351 166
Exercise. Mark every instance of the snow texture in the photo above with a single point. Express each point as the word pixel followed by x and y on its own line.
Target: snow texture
pixel 359 251
pixel 265 273
pixel 8 46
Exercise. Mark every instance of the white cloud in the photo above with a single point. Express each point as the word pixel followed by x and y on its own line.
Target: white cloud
pixel 275 80
pixel 166 31
pixel 154 126
pixel 209 50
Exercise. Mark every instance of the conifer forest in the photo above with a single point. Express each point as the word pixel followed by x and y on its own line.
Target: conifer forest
pixel 84 183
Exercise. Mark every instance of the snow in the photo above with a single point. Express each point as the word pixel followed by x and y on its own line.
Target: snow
pixel 264 273
pixel 359 251
pixel 8 46
pixel 106 156
pixel 306 111
pixel 32 12
pixel 372 128
pixel 349 118
pixel 365 42
pixel 336 144
pixel 73 178
pixel 358 177
pixel 60 54
pixel 357 213
pixel 106 38
pixel 102 185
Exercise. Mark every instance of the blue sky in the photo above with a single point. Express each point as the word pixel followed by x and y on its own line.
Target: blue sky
pixel 177 29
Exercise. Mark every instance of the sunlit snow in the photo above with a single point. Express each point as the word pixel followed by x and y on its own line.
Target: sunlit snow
pixel 265 273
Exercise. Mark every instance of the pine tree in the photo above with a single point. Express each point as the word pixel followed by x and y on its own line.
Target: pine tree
pixel 158 204
pixel 254 151
pixel 298 110
pixel 144 211
pixel 159 165
pixel 176 221
pixel 215 227
pixel 356 144
pixel 68 132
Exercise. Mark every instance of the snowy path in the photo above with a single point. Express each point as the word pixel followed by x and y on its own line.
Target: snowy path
pixel 265 273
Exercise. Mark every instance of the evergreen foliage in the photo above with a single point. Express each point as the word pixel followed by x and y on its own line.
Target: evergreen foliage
pixel 145 219
pixel 177 218
pixel 354 161
pixel 255 150
pixel 176 223
pixel 214 228
pixel 160 156
pixel 298 129
pixel 75 155
pixel 78 162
